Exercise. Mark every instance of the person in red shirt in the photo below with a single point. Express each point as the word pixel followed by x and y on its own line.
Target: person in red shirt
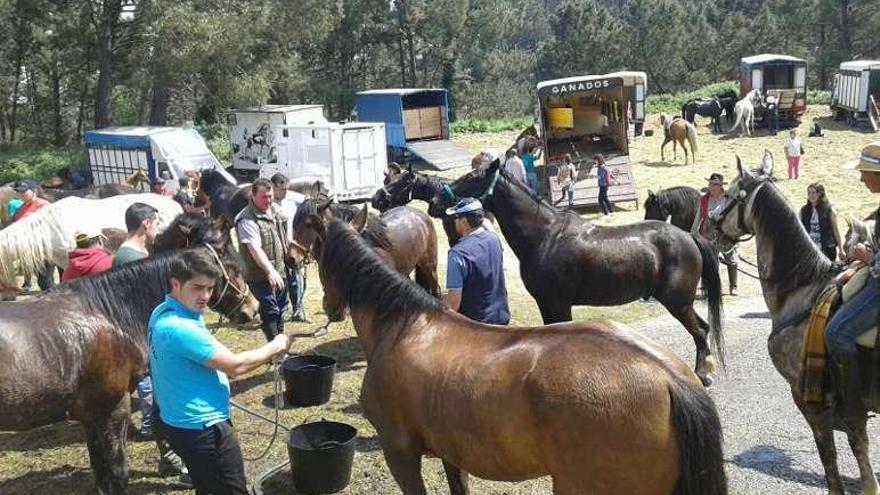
pixel 27 192
pixel 158 187
pixel 89 257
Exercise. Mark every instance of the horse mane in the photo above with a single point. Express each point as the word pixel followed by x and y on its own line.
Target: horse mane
pixel 365 279
pixel 126 295
pixel 26 245
pixel 781 224
pixel 427 183
pixel 680 195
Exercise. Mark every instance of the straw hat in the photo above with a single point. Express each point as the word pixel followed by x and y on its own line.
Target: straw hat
pixel 869 161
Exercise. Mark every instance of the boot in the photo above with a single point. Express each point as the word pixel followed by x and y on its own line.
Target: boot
pixel 848 385
pixel 731 276
pixel 270 330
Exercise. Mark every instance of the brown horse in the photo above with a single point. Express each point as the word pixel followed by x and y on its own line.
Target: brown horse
pixel 678 130
pixel 77 351
pixel 598 408
pixel 403 236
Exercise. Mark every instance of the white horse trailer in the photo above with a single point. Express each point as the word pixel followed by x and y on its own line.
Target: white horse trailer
pixel 856 93
pixel 252 133
pixel 349 158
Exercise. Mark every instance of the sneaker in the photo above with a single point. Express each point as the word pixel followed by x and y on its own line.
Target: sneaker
pixel 140 435
pixel 733 291
pixel 170 464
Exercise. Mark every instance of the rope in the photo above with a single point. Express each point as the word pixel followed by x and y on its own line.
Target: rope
pixel 276 366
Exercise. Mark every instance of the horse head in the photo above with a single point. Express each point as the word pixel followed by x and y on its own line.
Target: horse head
pixel 858 231
pixel 397 191
pixel 334 300
pixel 303 230
pixel 655 207
pixel 736 218
pixel 478 183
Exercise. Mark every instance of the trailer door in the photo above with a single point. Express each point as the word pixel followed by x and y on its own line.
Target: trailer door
pixel 359 160
pixel 639 110
pixel 800 80
pixel 758 79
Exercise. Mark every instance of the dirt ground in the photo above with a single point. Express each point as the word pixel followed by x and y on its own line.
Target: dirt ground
pixel 54 459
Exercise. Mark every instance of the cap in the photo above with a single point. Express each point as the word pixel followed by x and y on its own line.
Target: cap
pixel 25 185
pixel 771 99
pixel 87 233
pixel 869 161
pixel 465 205
pixel 716 178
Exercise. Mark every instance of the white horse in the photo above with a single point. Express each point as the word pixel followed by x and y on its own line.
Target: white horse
pixel 744 112
pixel 858 231
pixel 46 236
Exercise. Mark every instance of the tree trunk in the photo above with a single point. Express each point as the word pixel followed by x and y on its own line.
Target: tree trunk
pixel 36 111
pixel 106 27
pixel 13 117
pixel 57 121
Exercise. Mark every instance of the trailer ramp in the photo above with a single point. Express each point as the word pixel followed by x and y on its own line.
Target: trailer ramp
pixel 439 154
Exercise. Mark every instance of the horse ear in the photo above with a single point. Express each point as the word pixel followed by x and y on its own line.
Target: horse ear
pixel 315 189
pixel 739 166
pixel 767 163
pixel 409 167
pixel 324 204
pixel 360 220
pixel 650 193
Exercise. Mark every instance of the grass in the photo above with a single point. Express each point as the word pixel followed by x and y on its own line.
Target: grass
pixel 471 126
pixel 54 459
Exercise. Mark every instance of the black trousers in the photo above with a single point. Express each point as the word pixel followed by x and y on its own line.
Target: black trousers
pixel 212 456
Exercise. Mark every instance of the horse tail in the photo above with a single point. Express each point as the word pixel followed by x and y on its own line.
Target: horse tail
pixel 712 284
pixel 684 111
pixel 699 438
pixel 737 116
pixel 692 139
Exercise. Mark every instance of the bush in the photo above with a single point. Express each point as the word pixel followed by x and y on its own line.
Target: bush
pixel 217 138
pixel 26 161
pixel 466 126
pixel 818 97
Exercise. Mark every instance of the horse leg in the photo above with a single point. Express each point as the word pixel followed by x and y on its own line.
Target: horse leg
pixel 406 467
pixel 674 149
pixel 427 279
pixel 823 435
pixel 858 442
pixel 105 438
pixel 699 330
pixel 554 312
pixel 662 146
pixel 457 479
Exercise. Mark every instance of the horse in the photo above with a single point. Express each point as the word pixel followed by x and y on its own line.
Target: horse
pixel 745 112
pixel 46 237
pixel 681 203
pixel 677 131
pixel 225 196
pixel 565 260
pixel 858 231
pixel 77 351
pixel 404 237
pixel 707 107
pixel 727 99
pixel 404 186
pixel 793 272
pixel 437 383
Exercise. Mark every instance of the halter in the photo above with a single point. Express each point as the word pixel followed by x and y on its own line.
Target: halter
pixel 227 283
pixel 741 213
pixel 491 189
pixel 306 251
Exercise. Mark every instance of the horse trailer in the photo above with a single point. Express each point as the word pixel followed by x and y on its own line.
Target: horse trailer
pixel 348 158
pixel 416 124
pixel 587 115
pixel 782 76
pixel 856 93
pixel 252 133
pixel 115 153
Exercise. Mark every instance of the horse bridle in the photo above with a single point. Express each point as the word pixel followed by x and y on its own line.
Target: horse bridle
pixel 227 283
pixel 447 189
pixel 745 203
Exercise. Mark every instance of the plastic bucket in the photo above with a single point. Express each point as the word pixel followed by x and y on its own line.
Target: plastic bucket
pixel 308 380
pixel 321 456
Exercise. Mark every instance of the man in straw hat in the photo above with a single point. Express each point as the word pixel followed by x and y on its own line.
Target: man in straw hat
pixel 89 257
pixel 772 115
pixel 711 204
pixel 860 313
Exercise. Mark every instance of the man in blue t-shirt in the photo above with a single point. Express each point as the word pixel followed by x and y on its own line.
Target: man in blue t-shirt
pixel 475 271
pixel 190 371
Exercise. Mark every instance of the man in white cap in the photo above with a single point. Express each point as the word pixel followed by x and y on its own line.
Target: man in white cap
pixel 475 270
pixel 772 115
pixel 89 257
pixel 859 314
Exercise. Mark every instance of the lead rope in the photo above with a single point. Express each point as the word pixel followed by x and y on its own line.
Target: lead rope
pixel 276 368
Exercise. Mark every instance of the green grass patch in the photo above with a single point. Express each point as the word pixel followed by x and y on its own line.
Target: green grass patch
pixel 27 161
pixel 469 126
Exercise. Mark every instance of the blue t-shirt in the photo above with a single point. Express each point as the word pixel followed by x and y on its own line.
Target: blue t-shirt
pixel 529 163
pixel 476 268
pixel 190 395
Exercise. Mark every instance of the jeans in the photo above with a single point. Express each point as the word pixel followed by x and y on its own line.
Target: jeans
pixel 606 205
pixel 272 305
pixel 532 180
pixel 145 395
pixel 569 190
pixel 853 318
pixel 296 288
pixel 212 456
pixel 773 123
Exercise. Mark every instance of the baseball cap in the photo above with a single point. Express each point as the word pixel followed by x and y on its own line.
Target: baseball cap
pixel 86 233
pixel 25 185
pixel 465 205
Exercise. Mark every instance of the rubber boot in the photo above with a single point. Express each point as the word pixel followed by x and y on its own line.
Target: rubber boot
pixel 270 330
pixel 731 277
pixel 848 385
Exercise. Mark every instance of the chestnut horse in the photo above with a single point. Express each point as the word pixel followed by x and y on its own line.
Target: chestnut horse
pixel 403 236
pixel 564 260
pixel 598 408
pixel 678 131
pixel 77 351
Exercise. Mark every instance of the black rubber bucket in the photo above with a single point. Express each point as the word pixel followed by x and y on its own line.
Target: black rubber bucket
pixel 321 455
pixel 308 380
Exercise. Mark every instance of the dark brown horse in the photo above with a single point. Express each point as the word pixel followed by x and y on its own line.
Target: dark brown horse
pixel 565 260
pixel 679 203
pixel 404 186
pixel 596 407
pixel 403 236
pixel 226 198
pixel 77 351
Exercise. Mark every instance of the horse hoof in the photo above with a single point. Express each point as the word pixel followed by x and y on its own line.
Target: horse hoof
pixel 707 380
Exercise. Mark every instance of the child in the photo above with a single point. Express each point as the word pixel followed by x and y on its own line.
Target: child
pixel 793 151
